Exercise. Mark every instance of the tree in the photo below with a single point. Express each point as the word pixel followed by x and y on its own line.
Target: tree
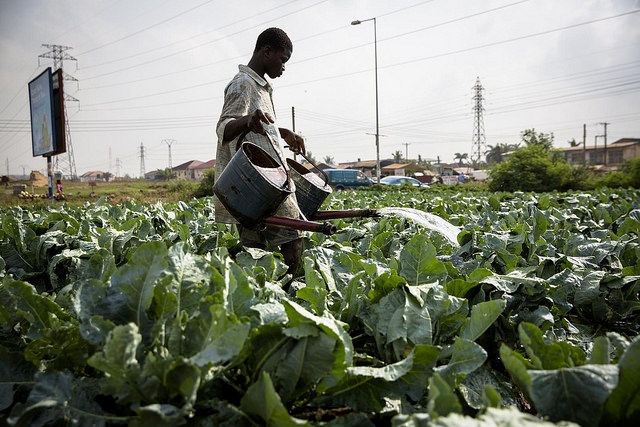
pixel 533 168
pixel 573 143
pixel 397 156
pixel 529 137
pixel 329 160
pixel 495 154
pixel 165 174
pixel 460 157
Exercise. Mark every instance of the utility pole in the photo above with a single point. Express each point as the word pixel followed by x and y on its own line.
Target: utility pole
pixel 142 171
pixel 584 144
pixel 169 142
pixel 406 150
pixel 293 125
pixel 479 140
pixel 59 54
pixel 118 166
pixel 605 124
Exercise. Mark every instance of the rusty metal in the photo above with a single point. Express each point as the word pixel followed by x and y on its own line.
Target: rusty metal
pixel 351 213
pixel 299 224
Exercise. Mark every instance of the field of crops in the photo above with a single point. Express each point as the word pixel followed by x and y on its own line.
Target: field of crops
pixel 136 314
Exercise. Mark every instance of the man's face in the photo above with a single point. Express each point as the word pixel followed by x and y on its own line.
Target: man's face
pixel 275 60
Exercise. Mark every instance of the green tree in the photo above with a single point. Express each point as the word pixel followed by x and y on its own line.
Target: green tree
pixel 460 157
pixel 495 154
pixel 397 156
pixel 329 160
pixel 533 168
pixel 165 174
pixel 205 188
pixel 530 137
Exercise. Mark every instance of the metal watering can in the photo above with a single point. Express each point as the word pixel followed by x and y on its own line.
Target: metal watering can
pixel 254 185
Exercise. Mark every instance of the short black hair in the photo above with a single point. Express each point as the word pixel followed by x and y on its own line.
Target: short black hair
pixel 274 37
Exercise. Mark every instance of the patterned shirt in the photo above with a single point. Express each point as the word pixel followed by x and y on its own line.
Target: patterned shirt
pixel 246 93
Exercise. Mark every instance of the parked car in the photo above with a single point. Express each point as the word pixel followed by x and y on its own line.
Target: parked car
pixel 400 180
pixel 342 179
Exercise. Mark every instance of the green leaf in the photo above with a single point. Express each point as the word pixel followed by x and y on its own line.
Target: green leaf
pixel 442 398
pixel 553 355
pixel 214 337
pixel 135 281
pixel 573 394
pixel 600 351
pixel 58 397
pixel 418 262
pixel 516 365
pixel 467 357
pixel 483 315
pixel 14 370
pixel 315 290
pixel 118 360
pixel 262 400
pixel 623 406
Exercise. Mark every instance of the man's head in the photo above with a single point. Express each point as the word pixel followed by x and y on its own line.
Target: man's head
pixel 274 37
pixel 273 49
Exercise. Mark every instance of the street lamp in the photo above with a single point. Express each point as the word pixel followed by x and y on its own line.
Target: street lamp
pixel 375 47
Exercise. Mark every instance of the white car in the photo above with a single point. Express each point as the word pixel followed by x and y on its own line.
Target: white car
pixel 400 180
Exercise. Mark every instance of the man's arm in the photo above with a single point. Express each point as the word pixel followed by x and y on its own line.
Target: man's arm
pixel 295 141
pixel 250 123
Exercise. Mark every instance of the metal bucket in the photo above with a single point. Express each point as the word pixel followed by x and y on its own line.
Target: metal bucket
pixel 311 190
pixel 252 186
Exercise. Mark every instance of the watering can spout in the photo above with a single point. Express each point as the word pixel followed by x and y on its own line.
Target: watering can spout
pixel 351 213
pixel 299 224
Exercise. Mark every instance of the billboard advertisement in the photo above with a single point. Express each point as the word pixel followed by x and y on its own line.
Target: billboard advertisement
pixel 41 101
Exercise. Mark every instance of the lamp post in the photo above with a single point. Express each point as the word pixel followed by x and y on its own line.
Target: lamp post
pixel 375 47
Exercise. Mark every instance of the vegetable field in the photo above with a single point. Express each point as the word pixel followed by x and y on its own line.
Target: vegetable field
pixel 137 314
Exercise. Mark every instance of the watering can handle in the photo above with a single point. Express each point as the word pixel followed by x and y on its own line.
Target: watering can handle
pixel 275 148
pixel 308 159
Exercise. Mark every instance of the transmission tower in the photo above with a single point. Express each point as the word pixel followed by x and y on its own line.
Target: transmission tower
pixel 59 54
pixel 479 141
pixel 142 171
pixel 169 142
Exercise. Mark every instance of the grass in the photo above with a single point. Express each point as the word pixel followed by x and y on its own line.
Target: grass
pixel 79 193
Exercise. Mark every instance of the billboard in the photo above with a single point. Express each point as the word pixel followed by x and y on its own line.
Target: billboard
pixel 59 127
pixel 42 115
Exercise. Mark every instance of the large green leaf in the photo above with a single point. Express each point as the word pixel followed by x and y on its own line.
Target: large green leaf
pixel 467 356
pixel 262 400
pixel 418 261
pixel 623 406
pixel 483 315
pixel 214 337
pixel 573 394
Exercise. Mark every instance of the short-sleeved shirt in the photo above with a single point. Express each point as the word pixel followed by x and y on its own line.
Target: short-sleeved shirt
pixel 246 93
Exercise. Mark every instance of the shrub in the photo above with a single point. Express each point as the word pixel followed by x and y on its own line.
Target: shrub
pixel 533 168
pixel 206 184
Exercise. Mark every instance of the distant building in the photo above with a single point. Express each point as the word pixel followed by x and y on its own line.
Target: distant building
pixel 193 170
pixel 611 156
pixel 401 169
pixel 93 176
pixel 366 166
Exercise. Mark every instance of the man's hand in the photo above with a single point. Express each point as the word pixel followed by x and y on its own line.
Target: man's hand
pixel 256 119
pixel 295 141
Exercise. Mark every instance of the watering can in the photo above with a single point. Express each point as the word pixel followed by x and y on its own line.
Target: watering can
pixel 254 185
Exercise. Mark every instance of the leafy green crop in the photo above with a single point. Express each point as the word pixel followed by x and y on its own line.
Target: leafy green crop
pixel 137 314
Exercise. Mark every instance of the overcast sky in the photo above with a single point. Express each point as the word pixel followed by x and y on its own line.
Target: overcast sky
pixel 151 73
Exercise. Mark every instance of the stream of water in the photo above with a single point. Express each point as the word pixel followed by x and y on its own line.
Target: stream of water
pixel 427 220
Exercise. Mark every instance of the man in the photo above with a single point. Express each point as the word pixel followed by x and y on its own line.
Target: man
pixel 248 115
